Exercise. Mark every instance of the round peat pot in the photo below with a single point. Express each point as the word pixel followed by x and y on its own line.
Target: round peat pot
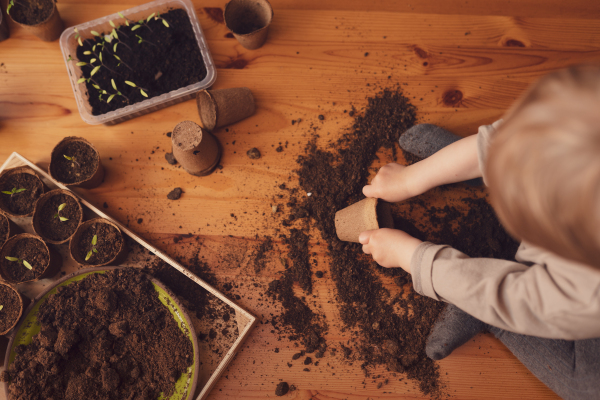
pixel 366 215
pixel 4 33
pixel 196 149
pixel 12 308
pixel 19 190
pixel 25 13
pixel 185 385
pixel 24 251
pixel 57 215
pixel 7 229
pixel 222 107
pixel 249 21
pixel 108 247
pixel 76 162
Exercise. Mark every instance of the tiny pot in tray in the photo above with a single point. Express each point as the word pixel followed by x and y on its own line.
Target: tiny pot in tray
pixel 11 308
pixel 7 229
pixel 76 162
pixel 38 17
pixel 19 190
pixel 26 257
pixel 57 215
pixel 98 242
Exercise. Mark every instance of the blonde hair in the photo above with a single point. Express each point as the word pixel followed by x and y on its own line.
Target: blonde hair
pixel 543 167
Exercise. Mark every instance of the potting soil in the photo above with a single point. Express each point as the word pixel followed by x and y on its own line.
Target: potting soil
pixel 109 242
pixel 156 58
pixel 30 250
pixel 31 12
pixel 21 203
pixel 82 166
pixel 11 306
pixel 4 228
pixel 104 337
pixel 51 225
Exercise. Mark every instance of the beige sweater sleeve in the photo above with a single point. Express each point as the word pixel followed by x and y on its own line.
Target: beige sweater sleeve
pixel 540 295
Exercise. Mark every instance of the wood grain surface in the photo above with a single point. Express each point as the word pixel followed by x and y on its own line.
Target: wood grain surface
pixel 461 62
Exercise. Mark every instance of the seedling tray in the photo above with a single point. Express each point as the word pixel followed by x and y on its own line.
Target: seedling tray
pixel 140 255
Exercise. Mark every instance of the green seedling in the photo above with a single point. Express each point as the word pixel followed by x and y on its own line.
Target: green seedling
pixel 11 4
pixel 142 22
pixel 142 92
pixel 72 159
pixel 14 190
pixel 118 93
pixel 25 263
pixel 1 307
pixel 57 215
pixel 93 250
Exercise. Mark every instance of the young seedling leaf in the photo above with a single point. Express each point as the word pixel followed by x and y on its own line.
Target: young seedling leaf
pixel 67 157
pixel 87 53
pixel 5 192
pixel 62 207
pixel 94 47
pixel 94 250
pixel 8 9
pixel 111 23
pixel 131 83
pixel 70 58
pixel 138 26
pixel 96 86
pixel 114 33
pixel 93 60
pixel 117 57
pixel 63 219
pixel 150 17
pixel 115 48
pixel 20 190
pixel 81 80
pixel 94 33
pixel 165 23
pixel 27 265
pixel 110 98
pixel 94 70
pixel 11 258
pixel 1 307
pixel 89 254
pixel 121 15
pixel 143 93
pixel 81 63
pixel 104 92
pixel 100 56
pixel 94 240
pixel 114 85
pixel 80 42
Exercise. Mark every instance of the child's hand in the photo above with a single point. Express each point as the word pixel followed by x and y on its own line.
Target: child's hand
pixel 390 184
pixel 390 248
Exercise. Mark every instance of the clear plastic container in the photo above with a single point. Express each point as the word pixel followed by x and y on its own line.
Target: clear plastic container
pixel 68 45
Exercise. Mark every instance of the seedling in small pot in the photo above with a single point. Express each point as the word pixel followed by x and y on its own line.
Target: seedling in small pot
pixel 24 262
pixel 93 250
pixel 13 191
pixel 57 215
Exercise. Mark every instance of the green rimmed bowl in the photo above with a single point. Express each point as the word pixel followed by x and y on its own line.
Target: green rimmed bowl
pixel 185 387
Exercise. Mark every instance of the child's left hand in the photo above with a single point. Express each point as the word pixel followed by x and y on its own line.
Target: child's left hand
pixel 390 248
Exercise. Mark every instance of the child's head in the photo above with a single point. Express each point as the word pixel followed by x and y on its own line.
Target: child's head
pixel 543 167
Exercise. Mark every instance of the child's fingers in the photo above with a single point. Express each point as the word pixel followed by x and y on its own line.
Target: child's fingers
pixel 364 237
pixel 369 191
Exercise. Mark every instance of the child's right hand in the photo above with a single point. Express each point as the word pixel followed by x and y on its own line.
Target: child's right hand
pixel 390 184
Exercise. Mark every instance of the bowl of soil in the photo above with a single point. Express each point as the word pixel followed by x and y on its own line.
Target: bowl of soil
pixel 57 215
pixel 11 308
pixel 137 61
pixel 26 258
pixel 97 242
pixel 38 17
pixel 249 21
pixel 7 229
pixel 122 334
pixel 4 33
pixel 76 162
pixel 19 190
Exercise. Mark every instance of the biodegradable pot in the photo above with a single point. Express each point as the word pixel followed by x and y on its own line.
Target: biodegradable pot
pixel 110 245
pixel 86 173
pixel 196 149
pixel 222 107
pixel 366 215
pixel 47 221
pixel 20 204
pixel 249 21
pixel 4 33
pixel 45 261
pixel 49 29
pixel 7 229
pixel 12 308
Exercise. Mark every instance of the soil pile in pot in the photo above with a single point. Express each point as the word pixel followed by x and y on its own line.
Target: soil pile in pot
pixel 4 228
pixel 109 242
pixel 31 12
pixel 104 337
pixel 168 58
pixel 21 203
pixel 30 250
pixel 51 225
pixel 83 164
pixel 11 307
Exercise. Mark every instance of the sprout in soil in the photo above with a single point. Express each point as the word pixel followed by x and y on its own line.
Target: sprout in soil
pixel 142 22
pixel 13 191
pixel 57 215
pixel 25 263
pixel 93 250
pixel 142 92
pixel 72 159
pixel 11 4
pixel 1 307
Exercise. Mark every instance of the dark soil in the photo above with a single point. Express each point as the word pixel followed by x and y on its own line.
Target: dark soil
pixel 83 166
pixel 253 153
pixel 11 307
pixel 108 244
pixel 49 218
pixel 30 250
pixel 104 337
pixel 282 389
pixel 166 60
pixel 170 158
pixel 174 194
pixel 31 12
pixel 4 228
pixel 21 203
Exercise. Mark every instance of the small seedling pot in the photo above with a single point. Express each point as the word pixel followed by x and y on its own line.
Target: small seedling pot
pixel 366 215
pixel 48 30
pixel 4 33
pixel 12 308
pixel 41 270
pixel 222 107
pixel 196 149
pixel 249 21
pixel 88 174
pixel 110 243
pixel 46 220
pixel 7 229
pixel 20 204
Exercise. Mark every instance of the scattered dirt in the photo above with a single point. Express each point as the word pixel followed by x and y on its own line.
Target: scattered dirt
pixel 253 153
pixel 11 306
pixel 21 203
pixel 282 389
pixel 109 243
pixel 30 250
pixel 31 12
pixel 174 194
pixel 95 343
pixel 51 225
pixel 82 166
pixel 170 158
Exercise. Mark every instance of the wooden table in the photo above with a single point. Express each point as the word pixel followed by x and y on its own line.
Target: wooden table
pixel 462 62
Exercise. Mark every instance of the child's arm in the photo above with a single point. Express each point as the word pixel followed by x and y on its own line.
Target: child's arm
pixel 456 162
